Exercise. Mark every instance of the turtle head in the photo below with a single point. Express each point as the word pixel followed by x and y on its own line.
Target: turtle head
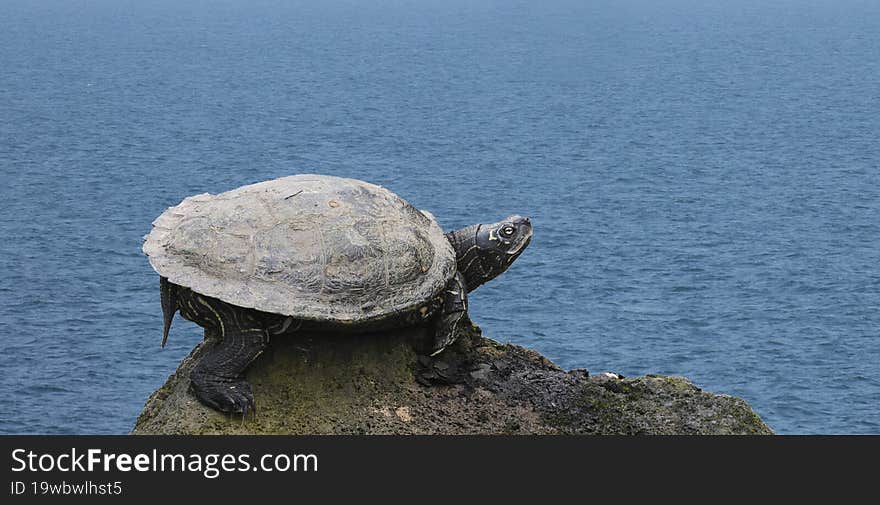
pixel 484 251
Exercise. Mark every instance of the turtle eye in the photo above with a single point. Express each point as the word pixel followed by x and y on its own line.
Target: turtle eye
pixel 507 230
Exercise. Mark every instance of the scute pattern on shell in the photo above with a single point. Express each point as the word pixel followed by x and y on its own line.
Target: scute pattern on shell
pixel 314 247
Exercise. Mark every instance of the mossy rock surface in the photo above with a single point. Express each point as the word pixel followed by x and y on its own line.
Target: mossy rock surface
pixel 380 384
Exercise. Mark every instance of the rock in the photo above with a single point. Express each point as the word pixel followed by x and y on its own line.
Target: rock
pixel 379 384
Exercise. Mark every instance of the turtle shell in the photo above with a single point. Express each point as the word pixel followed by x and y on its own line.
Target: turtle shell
pixel 314 247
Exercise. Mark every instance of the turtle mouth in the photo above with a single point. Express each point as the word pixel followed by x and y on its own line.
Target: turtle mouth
pixel 522 245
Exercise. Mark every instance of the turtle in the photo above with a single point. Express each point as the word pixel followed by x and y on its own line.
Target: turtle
pixel 314 252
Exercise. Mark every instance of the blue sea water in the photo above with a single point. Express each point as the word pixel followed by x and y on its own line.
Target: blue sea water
pixel 703 177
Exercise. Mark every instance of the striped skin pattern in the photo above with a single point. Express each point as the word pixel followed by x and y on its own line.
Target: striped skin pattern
pixel 467 254
pixel 454 315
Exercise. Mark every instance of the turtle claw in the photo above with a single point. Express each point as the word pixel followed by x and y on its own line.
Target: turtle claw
pixel 230 396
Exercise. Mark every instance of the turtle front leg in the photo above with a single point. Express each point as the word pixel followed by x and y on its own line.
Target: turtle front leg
pixel 218 378
pixel 453 316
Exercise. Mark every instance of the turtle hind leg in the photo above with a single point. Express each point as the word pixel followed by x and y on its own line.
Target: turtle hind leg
pixel 218 379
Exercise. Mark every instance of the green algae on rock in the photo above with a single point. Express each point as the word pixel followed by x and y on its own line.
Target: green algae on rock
pixel 381 384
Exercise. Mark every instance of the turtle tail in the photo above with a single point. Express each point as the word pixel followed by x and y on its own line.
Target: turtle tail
pixel 168 295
